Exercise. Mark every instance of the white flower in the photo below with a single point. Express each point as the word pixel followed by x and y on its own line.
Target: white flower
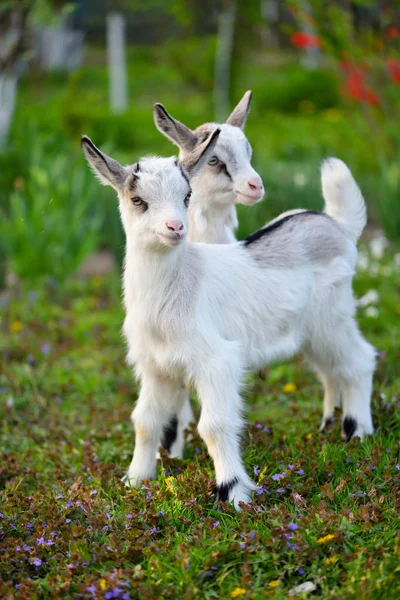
pixel 362 261
pixel 300 180
pixel 377 245
pixel 303 588
pixel 371 312
pixel 371 297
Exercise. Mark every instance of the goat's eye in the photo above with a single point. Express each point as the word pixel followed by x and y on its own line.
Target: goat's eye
pixel 187 199
pixel 137 201
pixel 213 160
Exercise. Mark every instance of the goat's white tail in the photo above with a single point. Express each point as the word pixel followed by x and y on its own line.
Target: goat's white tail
pixel 343 199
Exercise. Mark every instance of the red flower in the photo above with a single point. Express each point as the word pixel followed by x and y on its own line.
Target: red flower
pixel 305 40
pixel 394 70
pixel 394 32
pixel 356 86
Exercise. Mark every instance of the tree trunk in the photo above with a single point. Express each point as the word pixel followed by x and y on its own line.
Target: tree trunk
pixel 223 59
pixel 117 62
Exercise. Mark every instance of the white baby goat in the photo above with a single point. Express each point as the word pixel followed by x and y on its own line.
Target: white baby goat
pixel 227 179
pixel 205 313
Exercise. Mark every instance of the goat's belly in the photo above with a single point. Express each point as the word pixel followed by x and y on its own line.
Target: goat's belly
pixel 274 349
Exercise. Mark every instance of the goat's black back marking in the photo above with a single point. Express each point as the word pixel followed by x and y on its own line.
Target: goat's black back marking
pixel 349 427
pixel 224 489
pixel 169 434
pixel 257 235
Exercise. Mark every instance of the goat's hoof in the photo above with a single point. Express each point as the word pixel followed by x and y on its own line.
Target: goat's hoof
pixel 351 428
pixel 236 490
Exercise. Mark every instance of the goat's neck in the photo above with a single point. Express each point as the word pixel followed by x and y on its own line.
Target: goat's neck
pixel 151 274
pixel 211 221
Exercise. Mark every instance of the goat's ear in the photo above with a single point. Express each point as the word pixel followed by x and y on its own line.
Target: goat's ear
pixel 193 162
pixel 239 114
pixel 174 130
pixel 108 170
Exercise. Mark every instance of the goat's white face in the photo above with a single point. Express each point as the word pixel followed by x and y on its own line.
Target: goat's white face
pixel 154 193
pixel 228 176
pixel 154 202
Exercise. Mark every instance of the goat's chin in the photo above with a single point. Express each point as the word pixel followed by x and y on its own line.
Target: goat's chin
pixel 166 241
pixel 247 200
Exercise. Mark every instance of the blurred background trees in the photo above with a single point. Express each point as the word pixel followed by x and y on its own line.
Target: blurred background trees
pixel 325 77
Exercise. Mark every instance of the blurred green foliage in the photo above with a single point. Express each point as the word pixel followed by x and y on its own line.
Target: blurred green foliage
pixel 297 119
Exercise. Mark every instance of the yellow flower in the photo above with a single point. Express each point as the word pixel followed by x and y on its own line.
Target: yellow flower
pixel 103 584
pixel 333 115
pixel 274 584
pixel 237 592
pixel 331 560
pixel 326 538
pixel 170 482
pixel 309 436
pixel 16 326
pixel 96 281
pixel 288 388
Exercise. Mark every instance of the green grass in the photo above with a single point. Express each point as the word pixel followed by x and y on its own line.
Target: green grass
pixel 69 528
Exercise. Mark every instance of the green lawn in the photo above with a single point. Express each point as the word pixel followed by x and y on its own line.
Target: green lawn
pixel 325 512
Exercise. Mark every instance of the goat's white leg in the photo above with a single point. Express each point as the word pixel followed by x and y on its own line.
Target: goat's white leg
pixel 332 385
pixel 350 360
pixel 357 385
pixel 220 427
pixel 332 394
pixel 158 402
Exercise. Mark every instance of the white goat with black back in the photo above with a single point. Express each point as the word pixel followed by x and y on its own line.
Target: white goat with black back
pixel 205 313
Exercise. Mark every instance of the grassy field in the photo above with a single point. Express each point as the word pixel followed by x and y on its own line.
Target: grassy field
pixel 324 512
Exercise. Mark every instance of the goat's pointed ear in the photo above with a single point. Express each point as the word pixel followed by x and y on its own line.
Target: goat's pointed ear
pixel 239 114
pixel 108 170
pixel 193 162
pixel 174 130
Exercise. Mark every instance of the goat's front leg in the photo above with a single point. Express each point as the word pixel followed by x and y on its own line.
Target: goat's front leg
pixel 159 400
pixel 220 427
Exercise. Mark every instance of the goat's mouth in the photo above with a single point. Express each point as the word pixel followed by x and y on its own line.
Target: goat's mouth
pixel 172 238
pixel 249 198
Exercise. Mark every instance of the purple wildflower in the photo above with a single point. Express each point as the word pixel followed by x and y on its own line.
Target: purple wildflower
pixel 301 571
pixel 398 467
pixel 37 562
pixel 291 467
pixel 242 545
pixel 27 548
pixel 46 347
pixel 40 541
pixel 260 490
pixel 252 534
pixel 300 472
pixel 129 516
pixel 293 526
pixel 215 524
pixel 162 512
pixel 280 490
pixel 91 589
pixel 256 470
